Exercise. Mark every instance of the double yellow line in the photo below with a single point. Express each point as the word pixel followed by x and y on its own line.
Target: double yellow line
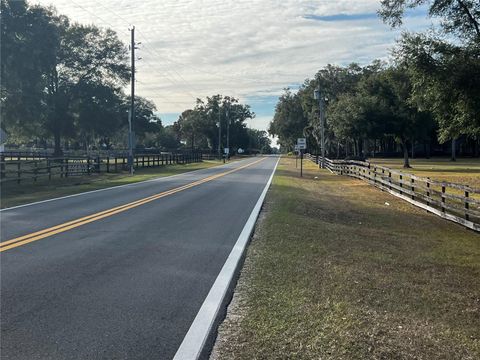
pixel 38 235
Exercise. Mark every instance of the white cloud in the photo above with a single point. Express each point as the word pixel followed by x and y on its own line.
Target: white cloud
pixel 244 48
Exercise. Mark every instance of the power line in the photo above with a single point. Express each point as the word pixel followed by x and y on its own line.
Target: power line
pixel 145 38
pixel 108 23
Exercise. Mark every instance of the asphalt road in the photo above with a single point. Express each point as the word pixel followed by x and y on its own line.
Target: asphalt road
pixel 124 284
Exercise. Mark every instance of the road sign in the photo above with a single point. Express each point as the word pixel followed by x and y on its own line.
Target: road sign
pixel 226 151
pixel 302 143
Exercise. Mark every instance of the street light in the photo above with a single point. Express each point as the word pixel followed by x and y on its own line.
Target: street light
pixel 318 96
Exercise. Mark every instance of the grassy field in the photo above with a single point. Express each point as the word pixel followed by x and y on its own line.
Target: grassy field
pixel 338 269
pixel 462 171
pixel 28 191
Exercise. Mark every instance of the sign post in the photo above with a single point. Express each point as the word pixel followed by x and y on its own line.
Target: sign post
pixel 296 156
pixel 302 145
pixel 226 152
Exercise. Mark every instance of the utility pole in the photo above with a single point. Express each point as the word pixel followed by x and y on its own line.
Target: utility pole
pixel 227 115
pixel 219 134
pixel 318 96
pixel 131 116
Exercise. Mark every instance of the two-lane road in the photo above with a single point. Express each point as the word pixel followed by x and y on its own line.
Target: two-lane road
pixel 120 273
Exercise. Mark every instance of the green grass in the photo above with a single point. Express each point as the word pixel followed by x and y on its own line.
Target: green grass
pixel 462 171
pixel 13 194
pixel 333 272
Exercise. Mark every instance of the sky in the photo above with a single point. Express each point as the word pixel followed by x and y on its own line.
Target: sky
pixel 249 49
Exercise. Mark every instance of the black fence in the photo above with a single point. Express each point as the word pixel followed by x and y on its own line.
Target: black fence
pixel 23 166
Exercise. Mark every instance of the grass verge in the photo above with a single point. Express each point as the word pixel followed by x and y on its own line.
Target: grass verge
pixel 338 269
pixel 13 194
pixel 463 171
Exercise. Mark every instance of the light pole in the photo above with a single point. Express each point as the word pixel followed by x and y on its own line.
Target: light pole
pixel 318 96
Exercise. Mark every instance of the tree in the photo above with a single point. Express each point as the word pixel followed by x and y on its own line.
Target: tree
pixel 446 81
pixel 146 125
pixel 444 67
pixel 258 142
pixel 168 139
pixel 459 17
pixel 200 125
pixel 88 58
pixel 30 39
pixel 189 126
pixel 289 120
pixel 50 68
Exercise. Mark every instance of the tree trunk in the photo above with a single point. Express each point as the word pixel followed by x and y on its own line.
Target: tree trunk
pixel 406 162
pixel 58 147
pixel 454 155
pixel 413 149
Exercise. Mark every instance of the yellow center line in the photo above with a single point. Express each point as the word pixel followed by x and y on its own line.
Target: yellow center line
pixel 28 238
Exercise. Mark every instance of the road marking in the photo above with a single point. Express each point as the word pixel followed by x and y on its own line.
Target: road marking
pixel 109 188
pixel 194 341
pixel 38 235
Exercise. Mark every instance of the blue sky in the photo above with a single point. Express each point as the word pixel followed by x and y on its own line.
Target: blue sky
pixel 250 49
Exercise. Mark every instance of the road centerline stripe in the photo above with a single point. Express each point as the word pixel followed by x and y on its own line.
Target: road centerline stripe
pixel 41 234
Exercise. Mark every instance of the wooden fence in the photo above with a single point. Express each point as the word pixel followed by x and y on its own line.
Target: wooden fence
pixel 27 167
pixel 454 202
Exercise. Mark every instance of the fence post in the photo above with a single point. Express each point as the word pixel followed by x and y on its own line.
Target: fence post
pixel 466 205
pixel 88 165
pixel 390 179
pixel 428 191
pixel 49 169
pixel 116 163
pixel 2 167
pixel 108 164
pixel 66 167
pixel 443 197
pixel 412 181
pixel 401 183
pixel 19 172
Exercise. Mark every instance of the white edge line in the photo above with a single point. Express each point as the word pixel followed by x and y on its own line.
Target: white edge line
pixel 194 341
pixel 109 188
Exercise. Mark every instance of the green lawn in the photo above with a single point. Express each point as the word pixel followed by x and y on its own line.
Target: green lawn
pixel 462 171
pixel 29 191
pixel 338 269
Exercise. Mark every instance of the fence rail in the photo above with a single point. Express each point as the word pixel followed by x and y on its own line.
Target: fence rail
pixel 455 202
pixel 26 167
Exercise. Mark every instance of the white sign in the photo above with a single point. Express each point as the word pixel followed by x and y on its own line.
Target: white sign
pixel 240 151
pixel 302 143
pixel 226 151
